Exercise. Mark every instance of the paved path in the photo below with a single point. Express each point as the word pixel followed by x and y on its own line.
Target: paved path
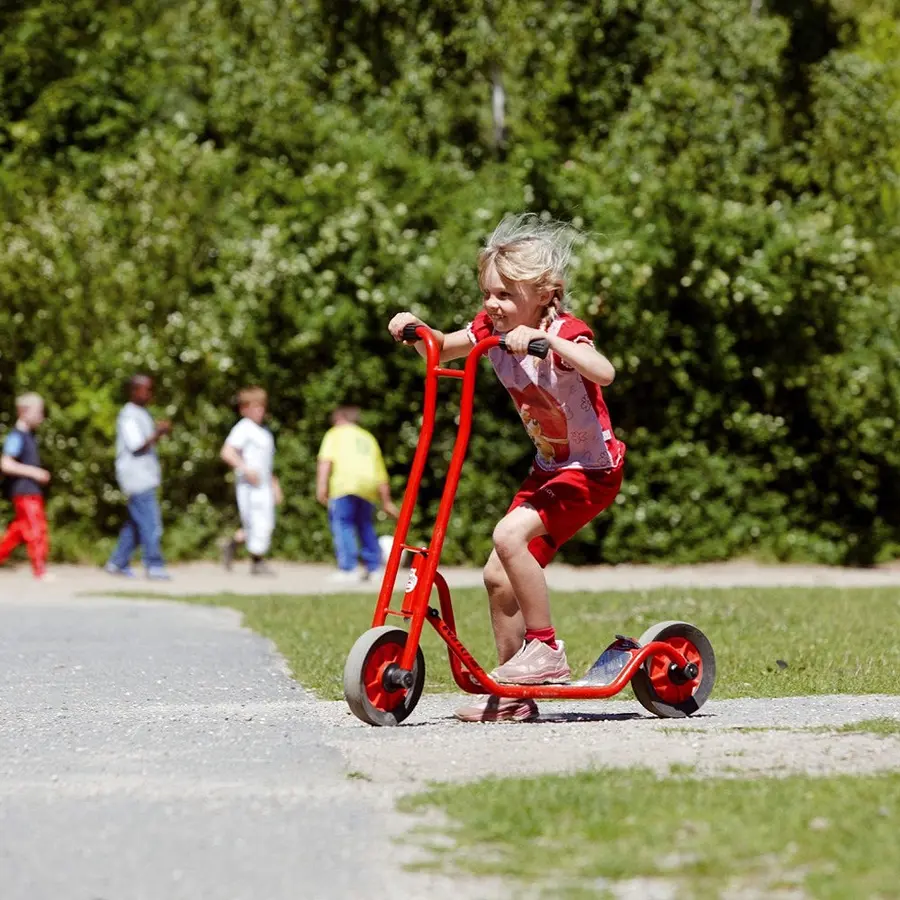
pixel 156 751
pixel 159 751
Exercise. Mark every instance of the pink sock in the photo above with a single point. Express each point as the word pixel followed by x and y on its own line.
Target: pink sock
pixel 547 635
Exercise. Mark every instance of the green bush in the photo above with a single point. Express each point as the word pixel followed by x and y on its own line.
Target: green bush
pixel 228 192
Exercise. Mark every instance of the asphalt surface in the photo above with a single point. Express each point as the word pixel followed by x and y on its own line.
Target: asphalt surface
pixel 156 750
pixel 159 751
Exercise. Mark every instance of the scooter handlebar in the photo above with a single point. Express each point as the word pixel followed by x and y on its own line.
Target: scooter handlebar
pixel 539 347
pixel 409 333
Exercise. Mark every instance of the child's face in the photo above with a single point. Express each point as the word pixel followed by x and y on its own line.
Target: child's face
pixel 254 411
pixel 512 303
pixel 32 416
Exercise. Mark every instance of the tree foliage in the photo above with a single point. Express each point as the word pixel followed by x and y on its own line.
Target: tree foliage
pixel 224 192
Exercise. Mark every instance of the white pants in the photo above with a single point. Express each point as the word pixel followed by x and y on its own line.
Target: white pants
pixel 256 506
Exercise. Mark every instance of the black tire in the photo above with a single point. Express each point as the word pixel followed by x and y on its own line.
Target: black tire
pixel 674 706
pixel 374 706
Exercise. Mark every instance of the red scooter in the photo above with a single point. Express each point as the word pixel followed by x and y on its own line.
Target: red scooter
pixel 671 668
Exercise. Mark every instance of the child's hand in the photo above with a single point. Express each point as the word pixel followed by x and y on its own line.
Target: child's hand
pixel 277 494
pixel 399 322
pixel 518 339
pixel 42 476
pixel 251 477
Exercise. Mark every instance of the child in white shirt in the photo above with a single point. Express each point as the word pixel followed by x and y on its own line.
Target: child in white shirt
pixel 250 450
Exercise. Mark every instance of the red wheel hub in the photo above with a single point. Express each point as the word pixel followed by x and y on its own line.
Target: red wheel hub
pixel 373 677
pixel 658 669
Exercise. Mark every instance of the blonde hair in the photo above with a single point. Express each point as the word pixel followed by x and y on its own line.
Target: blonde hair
pixel 525 248
pixel 249 395
pixel 29 401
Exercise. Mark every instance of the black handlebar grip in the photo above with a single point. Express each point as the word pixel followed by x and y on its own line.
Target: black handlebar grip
pixel 539 347
pixel 409 333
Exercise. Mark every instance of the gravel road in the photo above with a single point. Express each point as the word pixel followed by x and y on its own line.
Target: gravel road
pixel 727 736
pixel 299 578
pixel 159 750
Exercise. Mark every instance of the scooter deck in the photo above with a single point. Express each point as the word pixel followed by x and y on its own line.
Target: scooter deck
pixel 472 678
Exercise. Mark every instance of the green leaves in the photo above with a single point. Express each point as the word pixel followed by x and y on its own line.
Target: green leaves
pixel 224 193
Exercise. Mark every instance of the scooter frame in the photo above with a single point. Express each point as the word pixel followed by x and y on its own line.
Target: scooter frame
pixel 424 575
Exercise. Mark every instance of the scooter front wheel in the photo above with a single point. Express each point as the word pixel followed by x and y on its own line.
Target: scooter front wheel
pixel 370 687
pixel 664 693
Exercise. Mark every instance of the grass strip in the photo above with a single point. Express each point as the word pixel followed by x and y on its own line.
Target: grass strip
pixel 883 726
pixel 769 642
pixel 584 835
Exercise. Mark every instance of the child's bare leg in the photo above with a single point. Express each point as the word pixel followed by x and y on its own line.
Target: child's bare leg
pixel 509 634
pixel 526 577
pixel 506 617
pixel 541 659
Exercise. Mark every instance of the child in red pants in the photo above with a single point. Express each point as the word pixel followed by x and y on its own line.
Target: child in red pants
pixel 21 464
pixel 578 467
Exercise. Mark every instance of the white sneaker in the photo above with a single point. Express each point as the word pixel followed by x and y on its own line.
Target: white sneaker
pixel 344 576
pixel 535 663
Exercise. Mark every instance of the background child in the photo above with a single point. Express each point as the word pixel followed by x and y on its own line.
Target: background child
pixel 250 450
pixel 350 477
pixel 139 477
pixel 21 464
pixel 577 471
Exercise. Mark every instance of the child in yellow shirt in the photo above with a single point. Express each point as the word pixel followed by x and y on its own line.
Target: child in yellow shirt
pixel 350 478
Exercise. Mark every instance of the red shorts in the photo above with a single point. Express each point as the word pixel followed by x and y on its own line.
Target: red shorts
pixel 566 501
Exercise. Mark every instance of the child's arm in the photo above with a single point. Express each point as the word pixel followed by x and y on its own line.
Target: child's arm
pixel 589 362
pixel 323 473
pixel 134 439
pixel 9 465
pixel 454 345
pixel 581 356
pixel 232 456
pixel 276 491
pixel 384 495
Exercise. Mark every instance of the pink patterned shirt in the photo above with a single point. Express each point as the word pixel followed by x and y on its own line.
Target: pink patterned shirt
pixel 564 414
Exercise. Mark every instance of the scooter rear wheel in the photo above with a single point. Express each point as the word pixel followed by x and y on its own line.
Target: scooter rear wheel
pixel 671 698
pixel 368 693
